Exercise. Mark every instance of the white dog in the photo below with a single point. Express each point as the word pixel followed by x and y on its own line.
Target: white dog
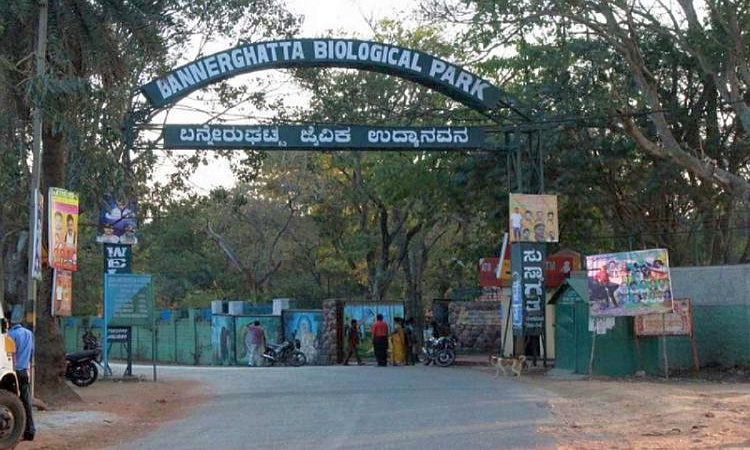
pixel 502 364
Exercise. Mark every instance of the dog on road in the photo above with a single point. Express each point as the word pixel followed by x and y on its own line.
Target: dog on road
pixel 503 364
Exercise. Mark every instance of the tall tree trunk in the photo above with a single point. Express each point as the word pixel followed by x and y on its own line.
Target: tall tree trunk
pixel 50 350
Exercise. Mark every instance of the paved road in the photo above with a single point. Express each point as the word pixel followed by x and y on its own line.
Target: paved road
pixel 365 407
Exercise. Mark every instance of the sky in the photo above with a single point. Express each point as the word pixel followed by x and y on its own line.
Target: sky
pixel 321 15
pixel 347 18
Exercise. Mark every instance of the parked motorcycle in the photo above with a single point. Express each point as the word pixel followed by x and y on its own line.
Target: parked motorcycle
pixel 286 353
pixel 441 351
pixel 81 368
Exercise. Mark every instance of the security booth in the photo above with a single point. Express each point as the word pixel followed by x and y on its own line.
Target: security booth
pixel 616 351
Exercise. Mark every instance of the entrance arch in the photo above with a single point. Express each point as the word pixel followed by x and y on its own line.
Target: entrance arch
pixel 419 67
pixel 521 140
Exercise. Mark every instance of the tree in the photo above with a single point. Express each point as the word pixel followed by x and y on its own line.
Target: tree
pixel 670 81
pixel 98 53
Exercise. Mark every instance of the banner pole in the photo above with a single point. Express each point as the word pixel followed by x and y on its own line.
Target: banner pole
pixel 105 332
pixel 153 328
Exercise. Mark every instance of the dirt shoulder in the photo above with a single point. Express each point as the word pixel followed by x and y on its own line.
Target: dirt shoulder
pixel 112 412
pixel 647 412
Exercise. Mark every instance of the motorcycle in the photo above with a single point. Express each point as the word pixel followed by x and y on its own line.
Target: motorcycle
pixel 81 368
pixel 286 353
pixel 441 351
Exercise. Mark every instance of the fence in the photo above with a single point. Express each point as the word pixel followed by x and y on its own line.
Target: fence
pixel 183 337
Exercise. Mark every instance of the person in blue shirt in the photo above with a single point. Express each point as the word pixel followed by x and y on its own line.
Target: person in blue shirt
pixel 24 340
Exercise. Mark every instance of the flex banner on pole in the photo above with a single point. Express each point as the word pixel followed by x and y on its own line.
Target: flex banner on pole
pixel 527 288
pixel 63 229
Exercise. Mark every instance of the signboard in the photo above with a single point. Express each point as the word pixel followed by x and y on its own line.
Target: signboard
pixel 629 283
pixel 479 316
pixel 488 268
pixel 491 294
pixel 494 272
pixel 413 65
pixel 676 323
pixel 527 289
pixel 557 269
pixel 118 334
pixel 533 218
pixel 313 137
pixel 117 258
pixel 62 293
pixel 63 229
pixel 128 299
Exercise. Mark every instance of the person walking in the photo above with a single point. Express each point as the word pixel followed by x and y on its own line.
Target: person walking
pixel 398 343
pixel 23 339
pixel 255 342
pixel 353 341
pixel 380 340
pixel 411 342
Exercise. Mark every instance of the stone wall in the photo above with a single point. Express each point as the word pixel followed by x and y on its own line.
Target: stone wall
pixel 476 325
pixel 329 347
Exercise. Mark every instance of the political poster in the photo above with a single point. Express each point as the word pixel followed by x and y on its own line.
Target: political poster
pixel 62 293
pixel 63 229
pixel 117 221
pixel 629 283
pixel 533 218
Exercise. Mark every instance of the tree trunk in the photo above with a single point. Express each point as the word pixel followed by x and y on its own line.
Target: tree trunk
pixel 50 351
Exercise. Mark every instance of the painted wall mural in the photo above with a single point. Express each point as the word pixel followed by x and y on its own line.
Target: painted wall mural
pixel 365 314
pixel 270 324
pixel 222 333
pixel 307 326
pixel 228 336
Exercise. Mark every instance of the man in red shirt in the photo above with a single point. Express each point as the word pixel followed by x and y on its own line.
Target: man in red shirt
pixel 380 340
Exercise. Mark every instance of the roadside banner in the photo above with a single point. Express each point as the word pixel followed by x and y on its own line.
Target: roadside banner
pixel 117 221
pixel 629 283
pixel 533 218
pixel 63 229
pixel 62 293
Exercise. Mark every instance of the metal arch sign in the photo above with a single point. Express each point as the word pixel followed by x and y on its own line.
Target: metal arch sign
pixel 325 137
pixel 419 67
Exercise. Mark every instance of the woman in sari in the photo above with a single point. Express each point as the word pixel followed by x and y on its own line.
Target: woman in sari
pixel 398 343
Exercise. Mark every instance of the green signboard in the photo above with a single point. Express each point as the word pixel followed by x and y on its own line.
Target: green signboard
pixel 128 299
pixel 312 137
pixel 428 70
